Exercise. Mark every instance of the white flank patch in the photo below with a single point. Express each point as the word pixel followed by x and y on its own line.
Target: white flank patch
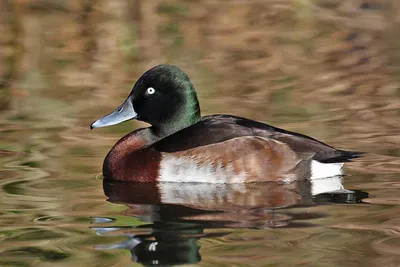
pixel 323 170
pixel 188 169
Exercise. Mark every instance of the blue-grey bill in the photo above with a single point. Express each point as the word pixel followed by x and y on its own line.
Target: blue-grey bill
pixel 123 113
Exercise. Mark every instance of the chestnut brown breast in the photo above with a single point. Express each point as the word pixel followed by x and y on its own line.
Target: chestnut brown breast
pixel 131 160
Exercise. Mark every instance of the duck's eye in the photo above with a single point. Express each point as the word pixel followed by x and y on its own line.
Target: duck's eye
pixel 151 90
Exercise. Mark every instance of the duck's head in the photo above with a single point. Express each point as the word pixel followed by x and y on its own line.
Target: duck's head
pixel 163 96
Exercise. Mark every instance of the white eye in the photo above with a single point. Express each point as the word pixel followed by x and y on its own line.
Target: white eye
pixel 151 90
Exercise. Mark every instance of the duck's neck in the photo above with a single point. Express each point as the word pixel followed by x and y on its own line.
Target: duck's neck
pixel 173 126
pixel 186 115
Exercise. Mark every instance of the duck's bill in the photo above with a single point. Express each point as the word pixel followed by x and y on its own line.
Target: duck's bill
pixel 123 113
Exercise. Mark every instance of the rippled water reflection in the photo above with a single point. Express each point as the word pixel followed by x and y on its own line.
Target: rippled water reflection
pixel 328 69
pixel 181 216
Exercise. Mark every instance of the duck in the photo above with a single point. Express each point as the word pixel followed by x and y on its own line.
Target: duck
pixel 180 145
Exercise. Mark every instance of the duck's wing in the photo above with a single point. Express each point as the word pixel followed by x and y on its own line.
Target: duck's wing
pixel 208 131
pixel 237 160
pixel 300 143
pixel 219 128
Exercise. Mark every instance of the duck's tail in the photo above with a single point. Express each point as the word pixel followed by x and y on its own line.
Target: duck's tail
pixel 344 156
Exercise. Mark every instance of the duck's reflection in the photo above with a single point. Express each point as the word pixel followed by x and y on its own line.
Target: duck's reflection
pixel 168 243
pixel 179 213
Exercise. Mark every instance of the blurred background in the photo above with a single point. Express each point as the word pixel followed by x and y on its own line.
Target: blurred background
pixel 325 68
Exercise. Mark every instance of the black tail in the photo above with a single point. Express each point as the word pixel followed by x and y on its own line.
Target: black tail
pixel 344 156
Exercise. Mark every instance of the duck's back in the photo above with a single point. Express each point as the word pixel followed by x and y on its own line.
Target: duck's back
pixel 214 129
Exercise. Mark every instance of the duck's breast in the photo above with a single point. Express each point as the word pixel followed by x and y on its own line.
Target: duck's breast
pixel 132 160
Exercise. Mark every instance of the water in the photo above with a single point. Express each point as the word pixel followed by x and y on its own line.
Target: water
pixel 313 67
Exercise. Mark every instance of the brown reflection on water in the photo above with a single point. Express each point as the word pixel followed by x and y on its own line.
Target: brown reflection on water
pixel 325 68
pixel 180 216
